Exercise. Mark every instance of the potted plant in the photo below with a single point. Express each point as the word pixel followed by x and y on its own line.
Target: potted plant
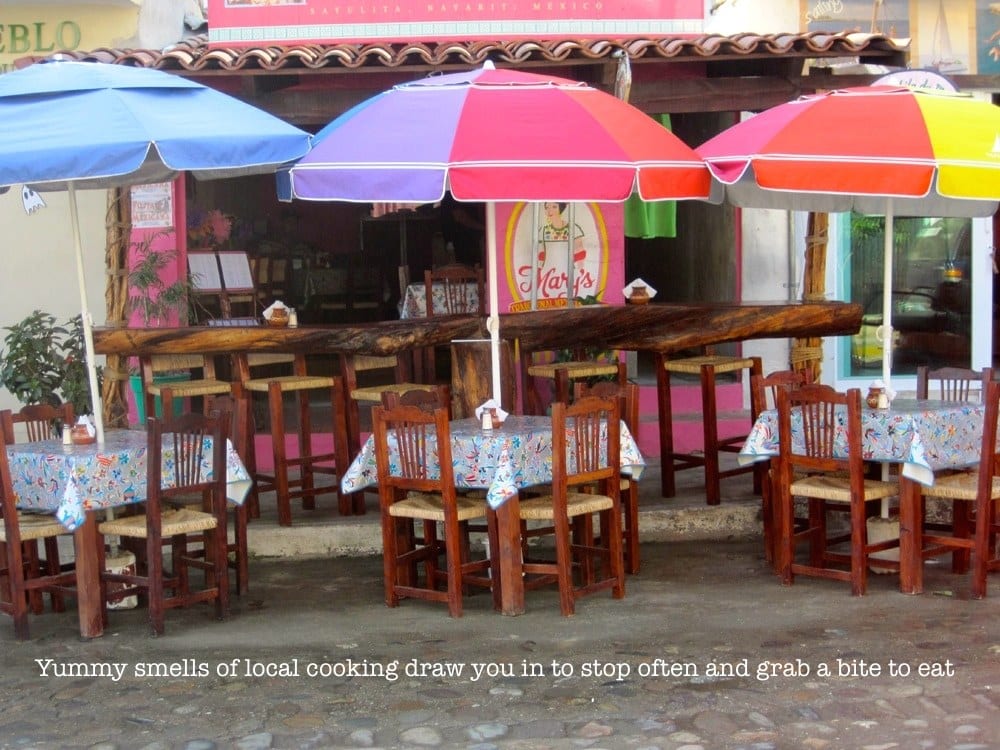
pixel 44 362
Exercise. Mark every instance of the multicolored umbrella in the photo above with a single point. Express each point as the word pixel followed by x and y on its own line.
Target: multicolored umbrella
pixel 79 125
pixel 875 150
pixel 492 135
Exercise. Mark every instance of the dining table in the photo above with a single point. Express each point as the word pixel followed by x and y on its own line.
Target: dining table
pixel 80 482
pixel 923 436
pixel 502 460
pixel 414 301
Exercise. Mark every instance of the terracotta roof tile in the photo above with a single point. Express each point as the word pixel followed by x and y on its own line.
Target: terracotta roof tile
pixel 194 54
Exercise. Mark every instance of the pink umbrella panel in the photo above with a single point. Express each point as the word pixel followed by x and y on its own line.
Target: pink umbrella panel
pixel 495 135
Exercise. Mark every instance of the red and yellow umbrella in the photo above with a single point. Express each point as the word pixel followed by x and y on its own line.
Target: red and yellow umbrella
pixel 875 150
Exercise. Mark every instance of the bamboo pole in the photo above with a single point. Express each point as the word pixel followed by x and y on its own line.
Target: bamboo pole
pixel 118 229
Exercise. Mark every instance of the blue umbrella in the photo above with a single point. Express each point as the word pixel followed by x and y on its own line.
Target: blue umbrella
pixel 83 125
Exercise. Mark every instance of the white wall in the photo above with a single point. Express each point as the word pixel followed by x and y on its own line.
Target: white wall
pixel 756 16
pixel 38 262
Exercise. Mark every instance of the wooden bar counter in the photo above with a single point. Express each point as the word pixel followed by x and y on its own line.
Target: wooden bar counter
pixel 653 327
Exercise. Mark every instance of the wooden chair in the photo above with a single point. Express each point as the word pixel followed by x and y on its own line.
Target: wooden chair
pixel 827 479
pixel 390 374
pixel 763 396
pixel 205 387
pixel 21 583
pixel 975 497
pixel 628 405
pixel 40 422
pixel 953 383
pixel 233 416
pixel 409 492
pixel 577 462
pixel 707 367
pixel 463 290
pixel 310 461
pixel 186 438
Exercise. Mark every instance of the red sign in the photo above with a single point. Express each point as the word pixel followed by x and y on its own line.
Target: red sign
pixel 234 22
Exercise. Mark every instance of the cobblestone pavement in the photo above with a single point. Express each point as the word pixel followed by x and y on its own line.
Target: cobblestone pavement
pixel 706 651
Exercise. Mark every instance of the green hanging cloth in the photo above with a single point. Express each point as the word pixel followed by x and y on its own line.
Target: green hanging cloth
pixel 647 220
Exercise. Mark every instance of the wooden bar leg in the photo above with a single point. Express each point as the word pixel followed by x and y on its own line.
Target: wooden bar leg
pixel 307 480
pixel 279 449
pixel 711 433
pixel 88 578
pixel 911 563
pixel 668 486
pixel 507 566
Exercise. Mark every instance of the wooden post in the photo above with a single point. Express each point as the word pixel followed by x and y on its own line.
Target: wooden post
pixel 807 353
pixel 470 376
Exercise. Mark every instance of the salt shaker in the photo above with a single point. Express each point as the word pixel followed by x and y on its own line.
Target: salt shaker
pixel 487 420
pixel 293 318
pixel 67 438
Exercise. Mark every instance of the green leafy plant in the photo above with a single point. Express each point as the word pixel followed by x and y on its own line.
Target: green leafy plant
pixel 150 296
pixel 44 362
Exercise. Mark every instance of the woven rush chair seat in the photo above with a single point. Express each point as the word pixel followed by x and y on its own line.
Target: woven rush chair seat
pixel 574 369
pixel 423 505
pixel 562 374
pixel 963 486
pixel 373 394
pixel 706 366
pixel 185 520
pixel 837 488
pixel 290 383
pixel 577 503
pixel 36 526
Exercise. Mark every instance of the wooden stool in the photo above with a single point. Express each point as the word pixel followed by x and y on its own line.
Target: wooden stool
pixel 561 373
pixel 310 460
pixel 706 367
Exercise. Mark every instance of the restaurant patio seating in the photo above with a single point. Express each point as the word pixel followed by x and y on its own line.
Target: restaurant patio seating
pixel 707 367
pixel 40 422
pixel 953 383
pixel 162 589
pixel 570 510
pixel 309 460
pixel 763 396
pixel 827 479
pixel 409 492
pixel 975 497
pixel 20 579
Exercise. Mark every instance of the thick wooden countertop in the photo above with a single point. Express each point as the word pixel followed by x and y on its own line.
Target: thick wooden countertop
pixel 652 327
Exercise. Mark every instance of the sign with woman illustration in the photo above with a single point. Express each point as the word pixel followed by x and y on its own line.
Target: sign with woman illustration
pixel 556 251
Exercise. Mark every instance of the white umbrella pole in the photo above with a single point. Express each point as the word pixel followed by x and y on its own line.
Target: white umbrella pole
pixel 88 325
pixel 887 300
pixel 887 322
pixel 493 322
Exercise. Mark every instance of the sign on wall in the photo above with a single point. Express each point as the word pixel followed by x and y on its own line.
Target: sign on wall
pixel 254 22
pixel 556 252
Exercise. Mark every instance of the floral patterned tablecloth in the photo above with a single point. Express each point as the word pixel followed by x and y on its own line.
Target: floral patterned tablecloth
pixel 503 460
pixel 72 480
pixel 414 302
pixel 924 436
